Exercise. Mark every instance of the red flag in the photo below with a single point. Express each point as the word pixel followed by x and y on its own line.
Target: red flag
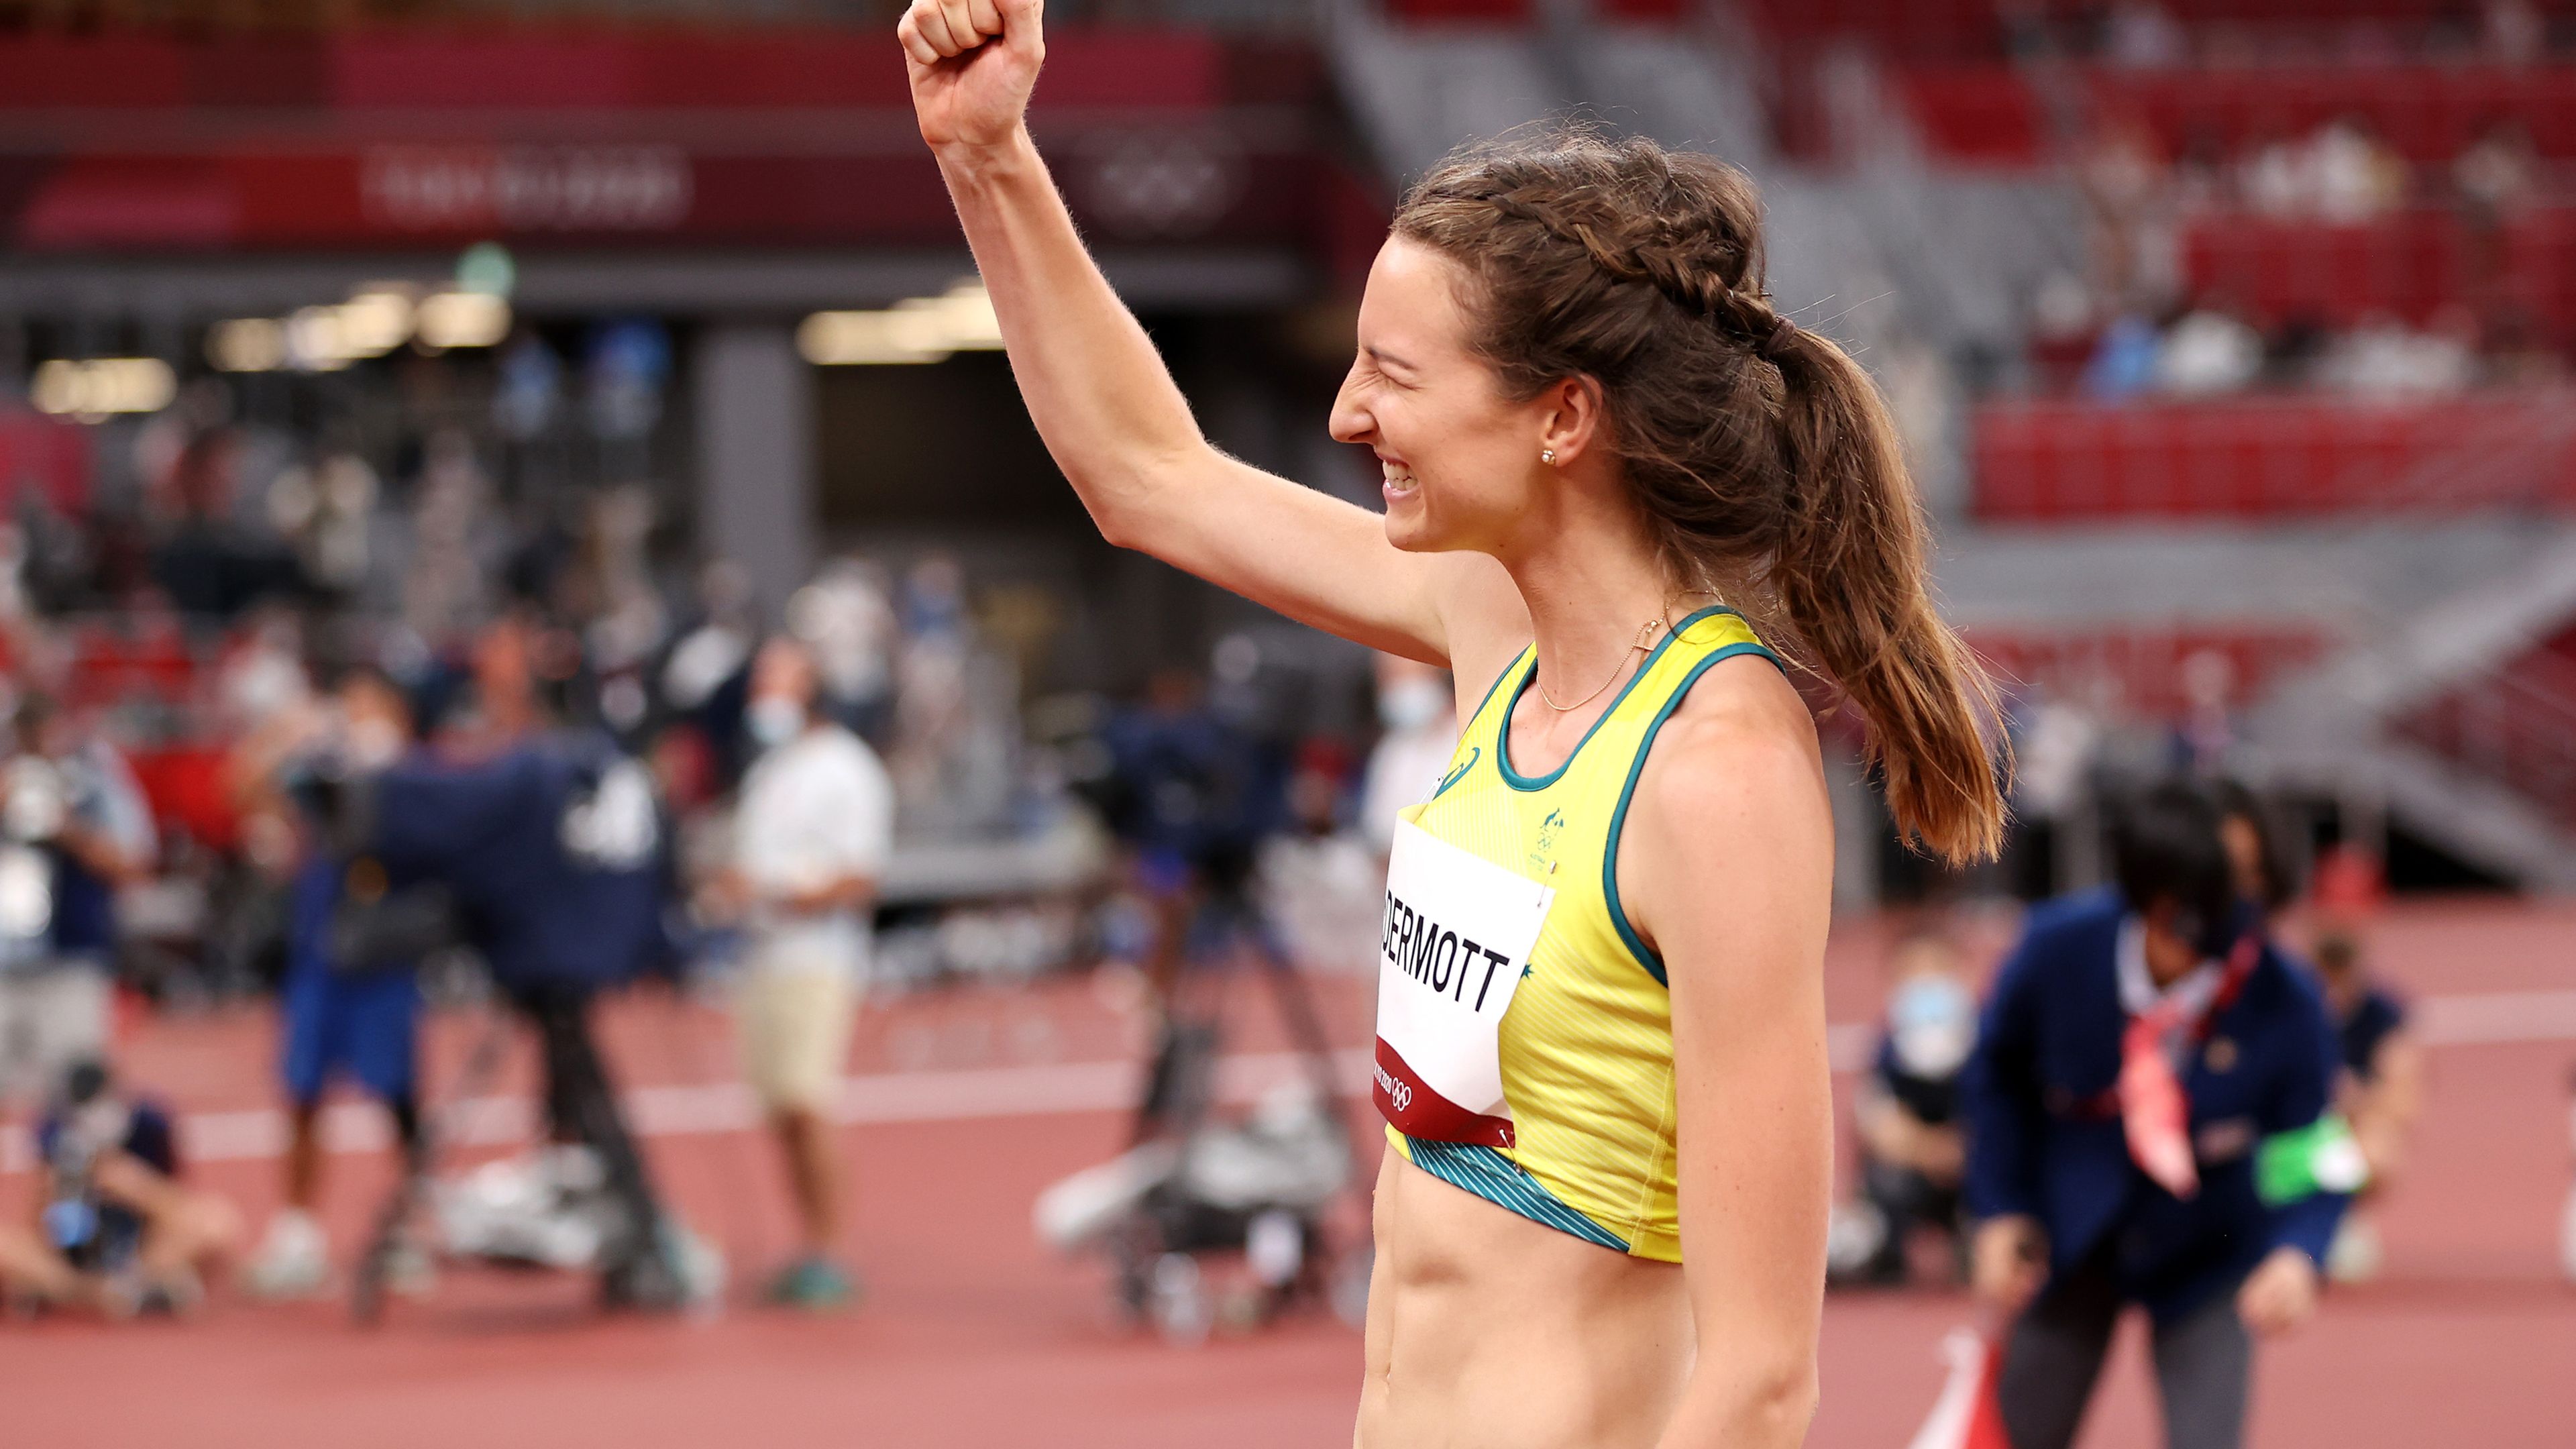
pixel 1967 1415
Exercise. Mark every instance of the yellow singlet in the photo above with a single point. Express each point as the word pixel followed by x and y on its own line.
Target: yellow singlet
pixel 1587 1046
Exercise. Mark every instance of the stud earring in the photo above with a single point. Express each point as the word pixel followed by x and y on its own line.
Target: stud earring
pixel 1547 456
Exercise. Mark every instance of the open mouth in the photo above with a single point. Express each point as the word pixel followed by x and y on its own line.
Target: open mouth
pixel 1400 481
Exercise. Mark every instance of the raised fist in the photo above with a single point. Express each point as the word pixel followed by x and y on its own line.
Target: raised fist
pixel 973 63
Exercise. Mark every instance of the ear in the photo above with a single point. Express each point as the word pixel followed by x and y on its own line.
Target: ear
pixel 1570 418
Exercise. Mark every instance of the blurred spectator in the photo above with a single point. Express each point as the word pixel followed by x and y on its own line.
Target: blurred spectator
pixel 844 618
pixel 1192 797
pixel 261 676
pixel 73 829
pixel 2137 259
pixel 2498 175
pixel 2205 735
pixel 956 728
pixel 2209 351
pixel 2382 1089
pixel 2340 173
pixel 2381 1093
pixel 1322 883
pixel 115 1209
pixel 2124 360
pixel 350 1003
pixel 812 835
pixel 455 544
pixel 2054 744
pixel 1912 1153
pixel 717 647
pixel 2518 354
pixel 2142 35
pixel 2384 357
pixel 2514 32
pixel 1417 707
pixel 2141 1047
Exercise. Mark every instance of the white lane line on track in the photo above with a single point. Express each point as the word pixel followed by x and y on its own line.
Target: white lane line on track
pixel 2479 1019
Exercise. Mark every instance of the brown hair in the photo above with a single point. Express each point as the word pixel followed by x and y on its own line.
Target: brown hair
pixel 1760 453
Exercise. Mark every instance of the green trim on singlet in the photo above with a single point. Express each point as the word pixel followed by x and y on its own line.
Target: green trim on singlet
pixel 1500 1181
pixel 1503 730
pixel 1653 963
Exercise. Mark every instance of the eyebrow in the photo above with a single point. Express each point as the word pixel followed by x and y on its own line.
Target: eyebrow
pixel 1384 358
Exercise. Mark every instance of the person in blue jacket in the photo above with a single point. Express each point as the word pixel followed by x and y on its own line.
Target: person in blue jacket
pixel 347 1008
pixel 2144 1050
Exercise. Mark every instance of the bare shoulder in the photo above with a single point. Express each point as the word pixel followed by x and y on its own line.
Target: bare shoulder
pixel 1733 790
pixel 1741 735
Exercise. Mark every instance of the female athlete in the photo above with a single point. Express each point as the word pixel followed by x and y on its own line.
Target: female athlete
pixel 1601 1216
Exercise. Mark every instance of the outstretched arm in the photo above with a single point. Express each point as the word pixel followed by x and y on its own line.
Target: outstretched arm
pixel 1099 393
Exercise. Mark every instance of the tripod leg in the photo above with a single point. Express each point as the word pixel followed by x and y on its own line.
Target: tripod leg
pixel 582 1107
pixel 419 1146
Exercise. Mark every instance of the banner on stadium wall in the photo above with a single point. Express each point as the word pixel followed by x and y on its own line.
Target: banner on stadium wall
pixel 399 140
pixel 1127 183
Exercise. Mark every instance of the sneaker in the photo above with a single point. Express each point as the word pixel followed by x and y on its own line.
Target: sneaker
pixel 293 1260
pixel 817 1285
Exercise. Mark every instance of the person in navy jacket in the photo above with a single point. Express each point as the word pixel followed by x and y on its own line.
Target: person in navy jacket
pixel 2112 1001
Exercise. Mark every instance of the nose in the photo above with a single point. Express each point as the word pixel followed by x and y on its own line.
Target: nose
pixel 1351 421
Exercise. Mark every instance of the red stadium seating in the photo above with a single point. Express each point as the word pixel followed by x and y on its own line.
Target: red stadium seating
pixel 2271 456
pixel 2428 113
pixel 2143 664
pixel 1974 114
pixel 1984 113
pixel 2409 265
pixel 1911 28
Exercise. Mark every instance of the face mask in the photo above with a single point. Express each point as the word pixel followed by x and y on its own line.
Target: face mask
pixel 774 721
pixel 373 743
pixel 1411 704
pixel 1932 1021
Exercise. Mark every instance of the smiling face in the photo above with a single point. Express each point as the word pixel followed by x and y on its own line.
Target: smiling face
pixel 1460 460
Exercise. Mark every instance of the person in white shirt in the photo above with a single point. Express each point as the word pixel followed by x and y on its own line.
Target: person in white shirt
pixel 812 829
pixel 1421 718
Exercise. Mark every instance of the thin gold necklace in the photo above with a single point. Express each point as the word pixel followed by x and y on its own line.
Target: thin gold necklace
pixel 1645 638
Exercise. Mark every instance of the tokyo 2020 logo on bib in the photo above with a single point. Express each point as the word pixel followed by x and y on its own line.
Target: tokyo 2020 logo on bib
pixel 1455 939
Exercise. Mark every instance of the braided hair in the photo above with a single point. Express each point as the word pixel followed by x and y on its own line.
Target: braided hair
pixel 1760 454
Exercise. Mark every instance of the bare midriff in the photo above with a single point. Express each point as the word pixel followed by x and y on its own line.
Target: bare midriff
pixel 1489 1331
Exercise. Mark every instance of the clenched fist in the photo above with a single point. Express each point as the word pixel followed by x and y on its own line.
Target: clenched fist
pixel 973 64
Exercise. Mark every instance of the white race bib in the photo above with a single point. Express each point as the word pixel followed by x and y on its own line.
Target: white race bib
pixel 1456 936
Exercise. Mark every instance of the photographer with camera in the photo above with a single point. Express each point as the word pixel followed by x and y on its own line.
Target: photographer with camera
pixel 73 829
pixel 132 1236
pixel 552 844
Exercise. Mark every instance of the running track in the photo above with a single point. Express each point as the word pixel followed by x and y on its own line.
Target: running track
pixel 965 1103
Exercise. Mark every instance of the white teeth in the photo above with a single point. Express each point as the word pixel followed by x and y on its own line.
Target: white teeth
pixel 1396 476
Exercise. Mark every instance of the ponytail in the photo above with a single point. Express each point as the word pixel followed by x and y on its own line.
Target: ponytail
pixel 1850 577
